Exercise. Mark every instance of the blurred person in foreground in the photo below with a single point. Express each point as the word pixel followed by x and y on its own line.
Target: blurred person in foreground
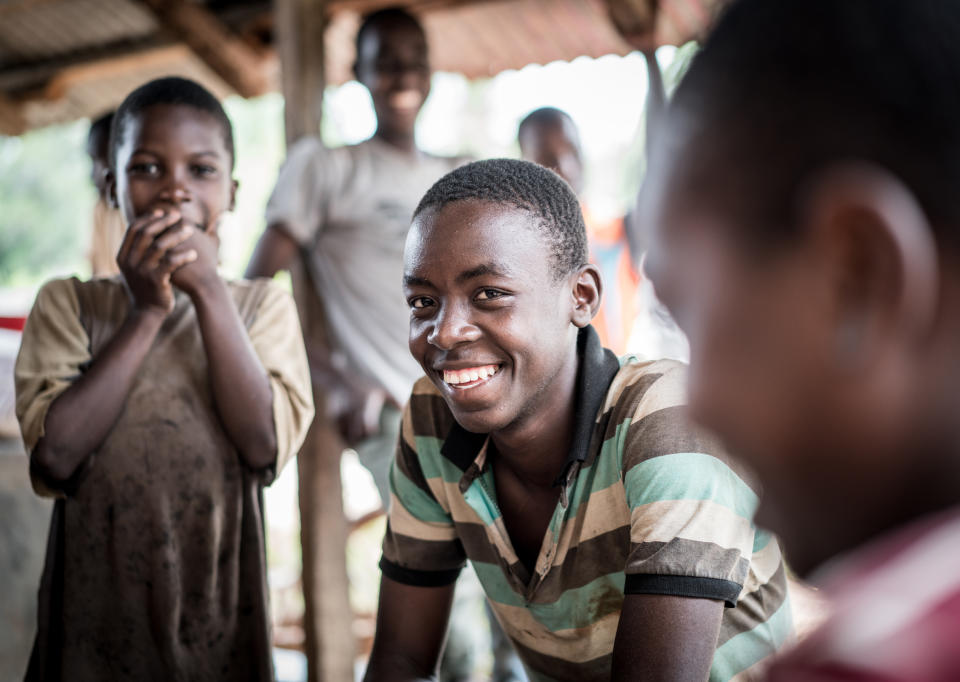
pixel 807 238
pixel 108 226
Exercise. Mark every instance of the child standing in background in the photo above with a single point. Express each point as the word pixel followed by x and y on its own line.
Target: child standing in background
pixel 155 406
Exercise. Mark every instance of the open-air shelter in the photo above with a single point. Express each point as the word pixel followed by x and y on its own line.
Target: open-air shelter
pixel 62 60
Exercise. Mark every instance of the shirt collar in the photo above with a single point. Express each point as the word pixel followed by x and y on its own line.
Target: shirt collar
pixel 595 373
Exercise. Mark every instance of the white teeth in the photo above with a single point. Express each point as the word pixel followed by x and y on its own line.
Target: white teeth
pixel 454 377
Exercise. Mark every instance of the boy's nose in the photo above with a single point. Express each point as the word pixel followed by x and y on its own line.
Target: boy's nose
pixel 452 328
pixel 175 192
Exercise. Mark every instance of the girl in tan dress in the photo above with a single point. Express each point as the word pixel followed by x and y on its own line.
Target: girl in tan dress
pixel 155 406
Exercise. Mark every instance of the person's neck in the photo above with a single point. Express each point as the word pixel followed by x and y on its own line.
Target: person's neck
pixel 536 448
pixel 404 141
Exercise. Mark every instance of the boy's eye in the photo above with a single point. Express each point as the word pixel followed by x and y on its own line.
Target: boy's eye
pixel 144 168
pixel 204 171
pixel 489 294
pixel 420 302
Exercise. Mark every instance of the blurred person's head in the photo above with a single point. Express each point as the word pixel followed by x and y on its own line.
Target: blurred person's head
pixel 98 149
pixel 392 62
pixel 806 214
pixel 549 137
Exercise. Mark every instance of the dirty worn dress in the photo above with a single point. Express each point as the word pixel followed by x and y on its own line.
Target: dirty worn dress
pixel 155 566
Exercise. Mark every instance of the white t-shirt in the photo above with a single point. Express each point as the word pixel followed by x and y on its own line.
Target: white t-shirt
pixel 350 209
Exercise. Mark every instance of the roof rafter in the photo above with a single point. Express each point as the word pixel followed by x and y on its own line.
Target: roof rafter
pixel 247 69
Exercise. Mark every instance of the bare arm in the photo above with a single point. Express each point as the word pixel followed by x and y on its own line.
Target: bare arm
pixel 411 626
pixel 275 251
pixel 351 402
pixel 662 637
pixel 241 387
pixel 81 417
pixel 656 99
pixel 656 104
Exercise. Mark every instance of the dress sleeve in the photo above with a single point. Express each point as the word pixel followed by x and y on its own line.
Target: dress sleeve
pixel 691 533
pixel 53 352
pixel 421 546
pixel 278 342
pixel 302 186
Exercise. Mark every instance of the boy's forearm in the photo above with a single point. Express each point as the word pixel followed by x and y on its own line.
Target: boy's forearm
pixel 275 251
pixel 241 387
pixel 81 417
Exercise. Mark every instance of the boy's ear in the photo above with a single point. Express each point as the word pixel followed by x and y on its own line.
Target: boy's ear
pixel 587 291
pixel 110 180
pixel 877 253
pixel 234 186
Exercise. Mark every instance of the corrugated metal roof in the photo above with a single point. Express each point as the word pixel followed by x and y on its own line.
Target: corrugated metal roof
pixel 66 59
pixel 44 30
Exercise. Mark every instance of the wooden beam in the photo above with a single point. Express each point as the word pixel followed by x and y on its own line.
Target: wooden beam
pixel 243 67
pixel 116 67
pixel 328 618
pixel 35 74
pixel 299 40
pixel 12 120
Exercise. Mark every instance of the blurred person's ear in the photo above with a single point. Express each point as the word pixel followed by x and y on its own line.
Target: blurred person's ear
pixel 110 185
pixel 877 251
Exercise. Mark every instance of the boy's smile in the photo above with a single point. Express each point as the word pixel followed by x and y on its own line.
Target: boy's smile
pixel 490 321
pixel 392 63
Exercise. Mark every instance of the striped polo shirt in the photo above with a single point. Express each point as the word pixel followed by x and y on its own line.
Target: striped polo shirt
pixel 648 505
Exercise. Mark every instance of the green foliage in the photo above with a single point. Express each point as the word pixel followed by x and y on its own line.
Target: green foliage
pixel 46 202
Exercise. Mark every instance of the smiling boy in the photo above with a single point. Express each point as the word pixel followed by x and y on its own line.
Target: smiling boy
pixel 805 211
pixel 608 534
pixel 346 210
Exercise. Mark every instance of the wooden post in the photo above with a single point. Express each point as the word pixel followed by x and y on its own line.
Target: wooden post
pixel 328 618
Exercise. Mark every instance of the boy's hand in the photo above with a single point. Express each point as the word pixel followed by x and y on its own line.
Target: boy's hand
pixel 203 269
pixel 149 256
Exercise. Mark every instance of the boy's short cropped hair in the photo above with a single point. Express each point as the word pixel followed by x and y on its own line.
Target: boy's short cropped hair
pixel 784 88
pixel 526 186
pixel 391 16
pixel 170 90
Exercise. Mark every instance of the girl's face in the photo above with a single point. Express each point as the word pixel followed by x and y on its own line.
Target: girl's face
pixel 174 156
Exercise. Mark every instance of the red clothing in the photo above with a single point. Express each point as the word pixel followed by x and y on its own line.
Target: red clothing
pixel 896 612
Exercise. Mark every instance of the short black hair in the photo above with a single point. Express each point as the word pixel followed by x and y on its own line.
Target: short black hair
pixel 782 89
pixel 99 132
pixel 169 90
pixel 543 115
pixel 526 186
pixel 386 17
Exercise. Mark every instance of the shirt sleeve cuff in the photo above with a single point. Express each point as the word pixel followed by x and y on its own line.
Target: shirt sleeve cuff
pixel 410 576
pixel 726 591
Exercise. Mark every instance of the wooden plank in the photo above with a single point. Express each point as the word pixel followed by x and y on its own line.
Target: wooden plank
pixel 328 619
pixel 12 120
pixel 115 67
pixel 245 68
